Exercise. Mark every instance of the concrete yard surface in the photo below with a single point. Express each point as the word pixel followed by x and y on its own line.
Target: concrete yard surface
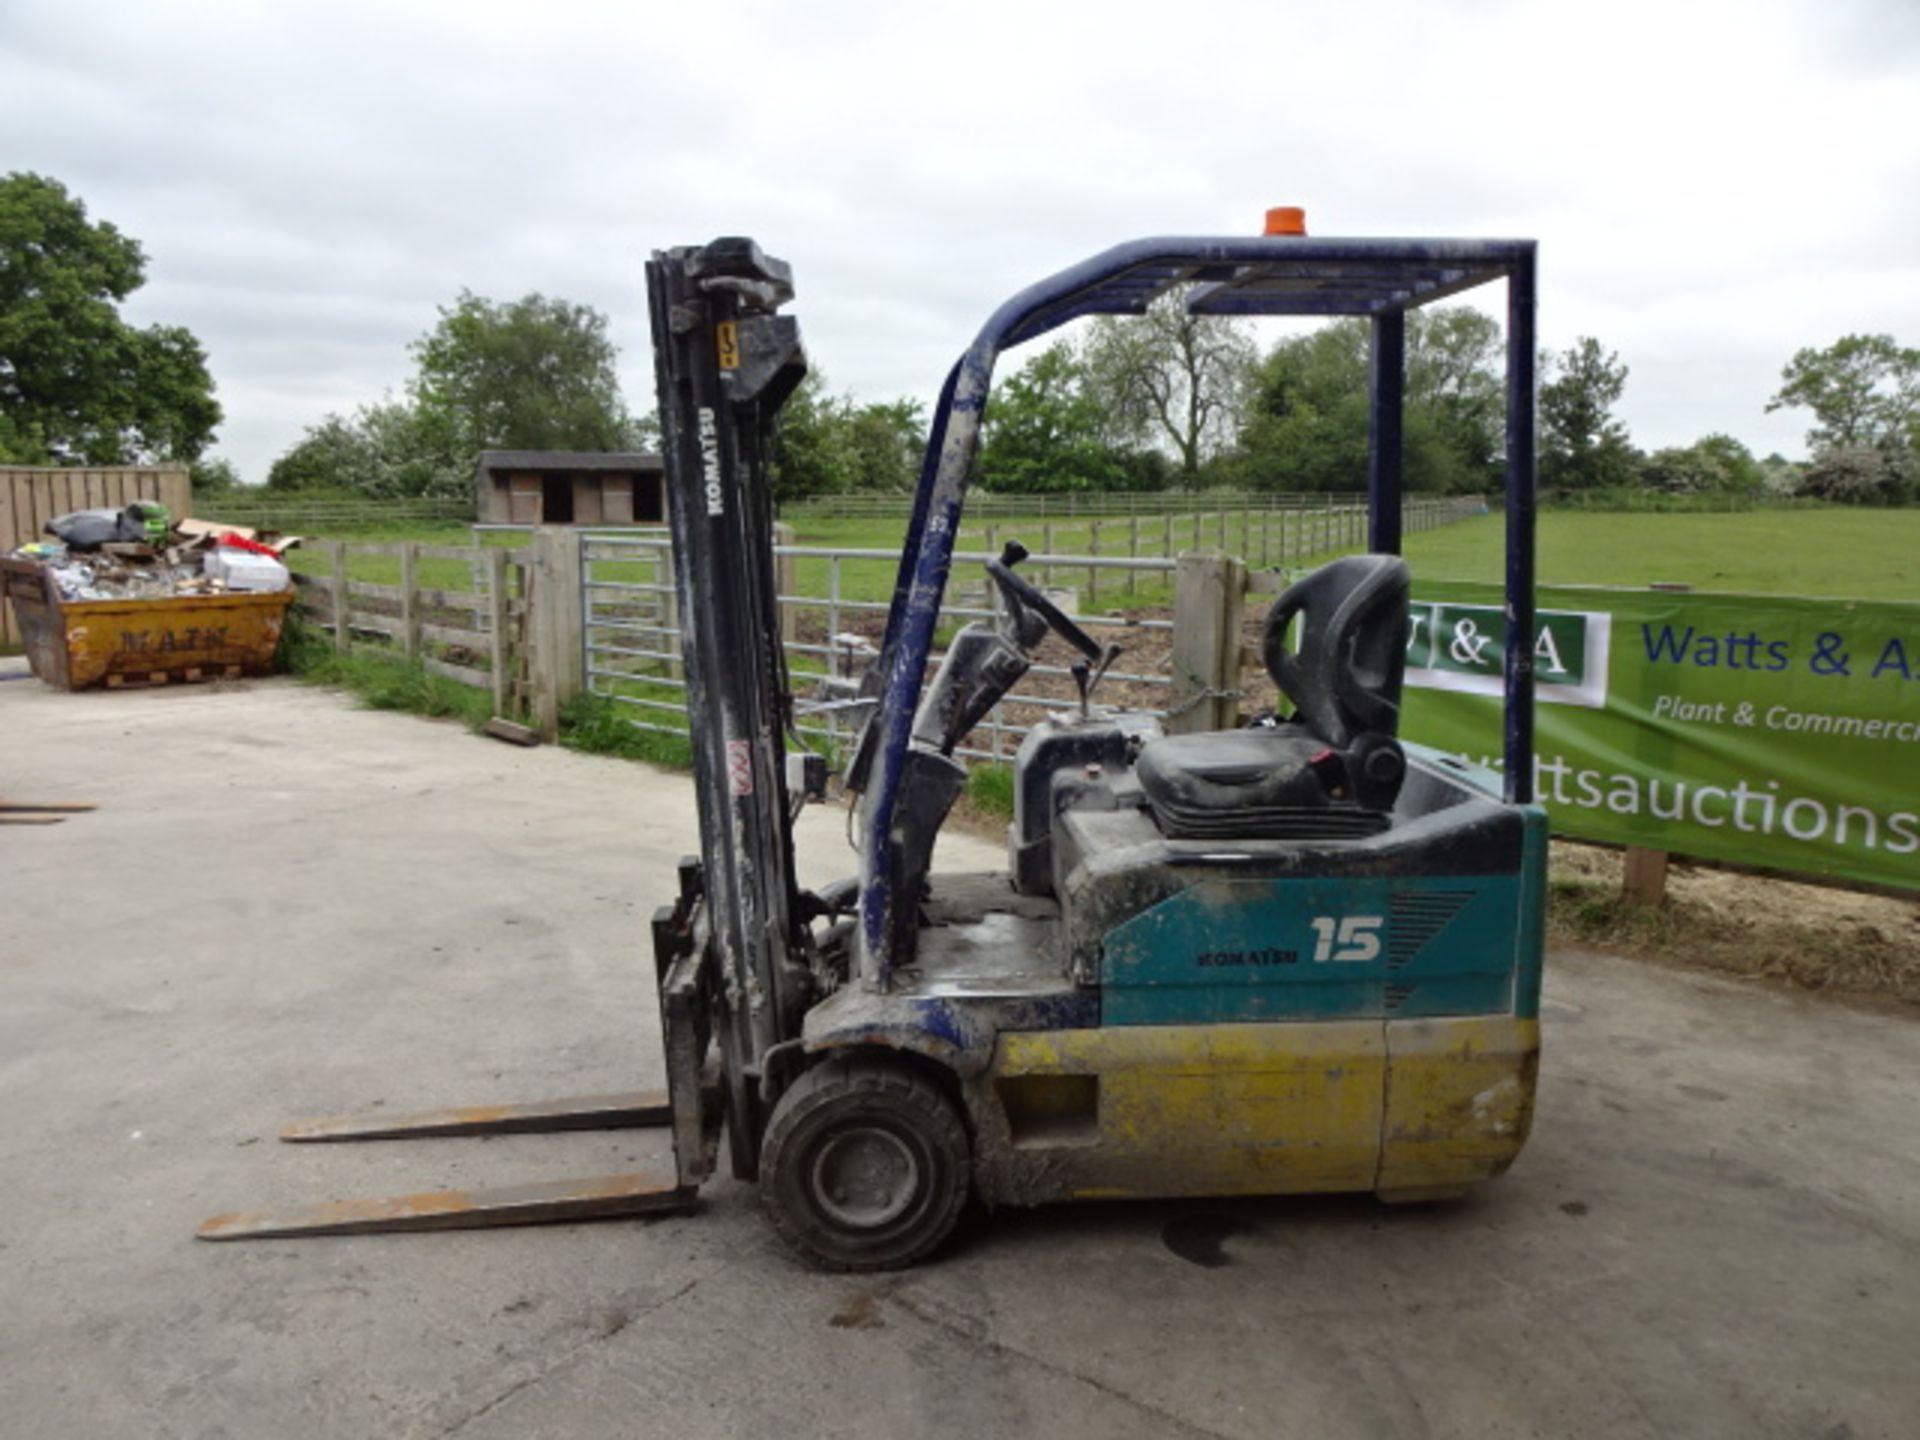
pixel 287 907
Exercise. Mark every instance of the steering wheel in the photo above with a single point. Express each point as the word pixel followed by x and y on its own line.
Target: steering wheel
pixel 1021 594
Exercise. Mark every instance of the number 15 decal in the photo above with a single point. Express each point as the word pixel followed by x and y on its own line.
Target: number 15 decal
pixel 1348 937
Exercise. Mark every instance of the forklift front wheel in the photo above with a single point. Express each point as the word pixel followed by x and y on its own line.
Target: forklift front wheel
pixel 865 1166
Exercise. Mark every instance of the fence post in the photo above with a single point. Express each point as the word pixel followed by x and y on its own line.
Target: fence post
pixel 1209 599
pixel 558 661
pixel 1643 879
pixel 1046 548
pixel 1133 551
pixel 409 600
pixel 497 623
pixel 337 554
pixel 783 584
pixel 670 640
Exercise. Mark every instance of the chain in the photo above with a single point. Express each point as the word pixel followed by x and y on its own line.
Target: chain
pixel 1202 691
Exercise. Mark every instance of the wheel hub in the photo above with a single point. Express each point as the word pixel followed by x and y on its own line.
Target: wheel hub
pixel 865 1178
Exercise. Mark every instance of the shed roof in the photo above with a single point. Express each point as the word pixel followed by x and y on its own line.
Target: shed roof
pixel 566 460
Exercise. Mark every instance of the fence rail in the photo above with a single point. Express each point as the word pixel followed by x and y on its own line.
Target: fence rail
pixel 290 513
pixel 597 610
pixel 983 504
pixel 631 636
pixel 471 626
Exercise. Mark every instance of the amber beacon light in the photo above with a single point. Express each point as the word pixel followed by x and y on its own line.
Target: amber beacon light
pixel 1286 220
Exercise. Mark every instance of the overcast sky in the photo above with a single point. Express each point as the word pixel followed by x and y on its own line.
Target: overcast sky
pixel 1713 184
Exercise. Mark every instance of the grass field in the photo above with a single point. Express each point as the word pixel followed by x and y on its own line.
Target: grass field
pixel 1860 554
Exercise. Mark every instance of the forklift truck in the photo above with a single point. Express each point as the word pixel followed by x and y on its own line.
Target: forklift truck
pixel 1300 956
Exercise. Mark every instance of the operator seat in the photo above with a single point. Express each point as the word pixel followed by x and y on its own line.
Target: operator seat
pixel 1335 768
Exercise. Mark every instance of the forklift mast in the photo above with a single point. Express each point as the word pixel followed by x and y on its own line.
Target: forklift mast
pixel 725 363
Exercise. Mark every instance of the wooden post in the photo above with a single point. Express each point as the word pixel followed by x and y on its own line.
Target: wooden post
pixel 670 640
pixel 337 554
pixel 497 624
pixel 1208 605
pixel 1643 880
pixel 409 600
pixel 558 629
pixel 783 584
pixel 1133 550
pixel 1046 548
pixel 1093 571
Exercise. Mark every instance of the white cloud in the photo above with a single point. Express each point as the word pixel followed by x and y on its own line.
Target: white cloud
pixel 1713 182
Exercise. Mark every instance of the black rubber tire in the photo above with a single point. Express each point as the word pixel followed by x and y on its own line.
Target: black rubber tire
pixel 864 1120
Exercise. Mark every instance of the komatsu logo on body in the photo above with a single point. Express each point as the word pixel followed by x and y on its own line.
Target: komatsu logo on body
pixel 710 462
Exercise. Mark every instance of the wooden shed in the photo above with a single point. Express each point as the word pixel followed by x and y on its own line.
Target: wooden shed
pixel 31 495
pixel 568 487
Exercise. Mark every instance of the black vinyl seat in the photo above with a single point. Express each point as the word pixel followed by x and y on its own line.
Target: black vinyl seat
pixel 1336 767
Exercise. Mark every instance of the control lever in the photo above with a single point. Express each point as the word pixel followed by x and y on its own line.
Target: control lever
pixel 1085 677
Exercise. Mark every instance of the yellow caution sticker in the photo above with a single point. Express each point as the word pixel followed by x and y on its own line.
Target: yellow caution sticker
pixel 726 337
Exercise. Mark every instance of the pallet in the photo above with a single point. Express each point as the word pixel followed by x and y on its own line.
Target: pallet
pixel 192 675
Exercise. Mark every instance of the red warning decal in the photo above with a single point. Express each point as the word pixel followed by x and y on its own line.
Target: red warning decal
pixel 740 767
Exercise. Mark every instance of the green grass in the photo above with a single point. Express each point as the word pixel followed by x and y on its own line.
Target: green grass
pixel 590 723
pixel 990 789
pixel 597 725
pixel 1861 554
pixel 381 682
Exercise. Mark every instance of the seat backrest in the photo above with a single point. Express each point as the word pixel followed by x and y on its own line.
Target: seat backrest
pixel 1345 678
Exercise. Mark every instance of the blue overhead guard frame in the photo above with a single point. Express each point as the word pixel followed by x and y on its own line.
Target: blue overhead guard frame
pixel 1275 275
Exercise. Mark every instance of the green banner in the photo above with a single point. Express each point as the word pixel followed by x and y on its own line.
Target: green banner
pixel 1775 732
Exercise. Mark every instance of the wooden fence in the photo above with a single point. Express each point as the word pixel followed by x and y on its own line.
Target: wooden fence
pixel 291 514
pixel 473 627
pixel 983 503
pixel 1263 537
pixel 31 495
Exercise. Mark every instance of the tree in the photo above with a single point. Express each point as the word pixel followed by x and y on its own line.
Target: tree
pixel 333 455
pixel 1307 427
pixel 888 441
pixel 1456 400
pixel 213 475
pixel 1044 430
pixel 1860 474
pixel 1582 445
pixel 532 374
pixel 1171 377
pixel 812 452
pixel 1863 390
pixel 1714 464
pixel 78 385
pixel 392 450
